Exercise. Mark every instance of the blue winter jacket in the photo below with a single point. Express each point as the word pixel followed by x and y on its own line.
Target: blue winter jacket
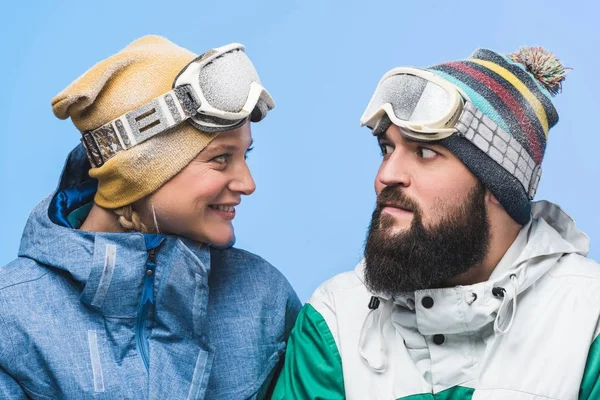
pixel 133 316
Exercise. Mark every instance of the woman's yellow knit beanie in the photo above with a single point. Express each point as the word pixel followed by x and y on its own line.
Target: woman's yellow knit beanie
pixel 123 82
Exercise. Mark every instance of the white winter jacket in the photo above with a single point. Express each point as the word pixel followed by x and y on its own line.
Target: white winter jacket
pixel 529 332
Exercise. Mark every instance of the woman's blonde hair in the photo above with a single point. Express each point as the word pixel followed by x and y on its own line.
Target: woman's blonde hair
pixel 130 220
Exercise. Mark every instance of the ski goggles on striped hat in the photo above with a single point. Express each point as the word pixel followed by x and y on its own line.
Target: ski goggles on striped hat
pixel 428 108
pixel 217 91
pixel 423 104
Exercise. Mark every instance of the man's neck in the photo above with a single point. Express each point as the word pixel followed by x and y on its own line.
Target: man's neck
pixel 502 236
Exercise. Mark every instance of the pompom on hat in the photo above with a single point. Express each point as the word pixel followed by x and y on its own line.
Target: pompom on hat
pixel 127 81
pixel 543 65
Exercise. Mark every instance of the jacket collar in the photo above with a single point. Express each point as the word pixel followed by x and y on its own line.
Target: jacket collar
pixel 550 234
pixel 108 267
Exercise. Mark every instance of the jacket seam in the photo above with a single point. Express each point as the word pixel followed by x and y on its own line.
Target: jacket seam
pixel 23 282
pixel 571 275
pixel 518 391
pixel 267 370
pixel 329 334
pixel 12 344
pixel 262 377
pixel 11 350
pixel 29 391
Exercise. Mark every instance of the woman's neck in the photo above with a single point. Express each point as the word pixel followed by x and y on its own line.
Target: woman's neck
pixel 101 220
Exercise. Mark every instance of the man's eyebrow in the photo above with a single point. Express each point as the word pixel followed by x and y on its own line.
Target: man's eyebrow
pixel 382 136
pixel 435 144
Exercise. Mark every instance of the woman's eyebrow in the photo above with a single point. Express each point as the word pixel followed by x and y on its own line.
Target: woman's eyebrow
pixel 225 147
pixel 221 147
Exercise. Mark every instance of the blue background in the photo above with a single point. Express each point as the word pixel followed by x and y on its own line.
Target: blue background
pixel 321 60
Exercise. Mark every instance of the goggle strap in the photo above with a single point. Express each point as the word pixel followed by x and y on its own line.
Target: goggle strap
pixel 501 147
pixel 139 125
pixel 187 99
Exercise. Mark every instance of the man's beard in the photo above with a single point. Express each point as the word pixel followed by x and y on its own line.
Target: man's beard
pixel 423 258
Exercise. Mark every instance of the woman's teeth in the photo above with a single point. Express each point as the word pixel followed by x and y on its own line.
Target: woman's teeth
pixel 224 208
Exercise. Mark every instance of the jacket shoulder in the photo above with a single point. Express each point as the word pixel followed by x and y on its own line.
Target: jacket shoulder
pixel 345 284
pixel 14 280
pixel 246 265
pixel 245 290
pixel 577 274
pixel 575 265
pixel 343 292
pixel 250 277
pixel 340 300
pixel 20 271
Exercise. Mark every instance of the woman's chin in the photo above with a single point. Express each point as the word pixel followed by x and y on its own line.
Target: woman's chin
pixel 217 235
pixel 219 239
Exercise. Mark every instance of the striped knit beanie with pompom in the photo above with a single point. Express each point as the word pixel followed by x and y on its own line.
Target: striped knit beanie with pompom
pixel 513 97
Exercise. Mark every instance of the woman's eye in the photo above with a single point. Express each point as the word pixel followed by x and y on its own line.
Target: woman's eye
pixel 386 149
pixel 248 152
pixel 426 153
pixel 221 159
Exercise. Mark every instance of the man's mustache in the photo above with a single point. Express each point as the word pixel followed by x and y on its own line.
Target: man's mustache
pixel 392 196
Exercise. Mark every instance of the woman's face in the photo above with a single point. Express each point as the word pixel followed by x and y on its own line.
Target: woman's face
pixel 199 202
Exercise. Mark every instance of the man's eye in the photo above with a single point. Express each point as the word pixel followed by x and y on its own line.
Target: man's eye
pixel 426 153
pixel 386 149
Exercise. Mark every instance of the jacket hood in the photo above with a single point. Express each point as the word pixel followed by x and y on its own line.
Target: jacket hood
pixel 51 238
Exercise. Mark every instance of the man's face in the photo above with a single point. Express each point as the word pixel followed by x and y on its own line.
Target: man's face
pixel 430 223
pixel 429 175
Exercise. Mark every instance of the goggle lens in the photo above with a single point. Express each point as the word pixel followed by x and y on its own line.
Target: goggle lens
pixel 226 80
pixel 412 98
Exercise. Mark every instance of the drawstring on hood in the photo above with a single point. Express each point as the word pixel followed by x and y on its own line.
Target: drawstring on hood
pixel 501 292
pixel 375 320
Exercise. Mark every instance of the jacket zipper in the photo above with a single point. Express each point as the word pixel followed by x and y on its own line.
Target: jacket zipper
pixel 142 315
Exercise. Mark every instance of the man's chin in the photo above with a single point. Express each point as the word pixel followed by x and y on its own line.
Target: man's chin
pixel 390 233
pixel 390 226
pixel 389 229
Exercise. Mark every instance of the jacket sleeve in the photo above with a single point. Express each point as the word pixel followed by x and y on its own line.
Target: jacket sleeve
pixel 590 384
pixel 292 309
pixel 9 388
pixel 313 366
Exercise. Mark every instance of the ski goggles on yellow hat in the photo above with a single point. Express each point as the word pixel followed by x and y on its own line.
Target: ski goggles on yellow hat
pixel 218 91
pixel 428 108
pixel 423 104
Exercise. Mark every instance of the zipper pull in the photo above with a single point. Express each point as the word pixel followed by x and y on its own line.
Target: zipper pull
pixel 149 278
pixel 152 257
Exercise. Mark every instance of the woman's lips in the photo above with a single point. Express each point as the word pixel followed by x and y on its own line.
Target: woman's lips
pixel 226 212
